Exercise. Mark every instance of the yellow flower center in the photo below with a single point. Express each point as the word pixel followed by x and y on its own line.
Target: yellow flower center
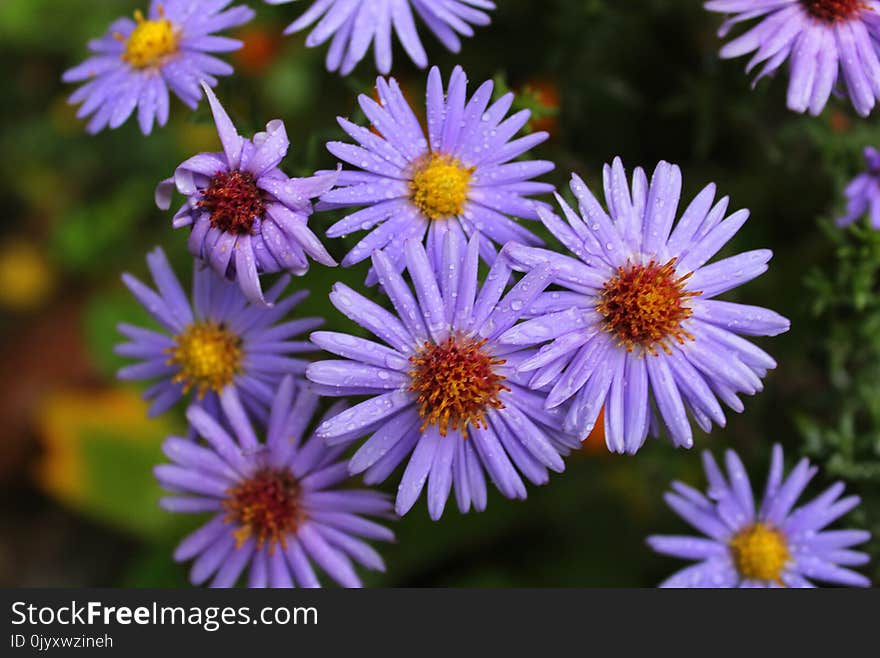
pixel 208 355
pixel 760 553
pixel 150 42
pixel 456 383
pixel 645 306
pixel 266 507
pixel 440 185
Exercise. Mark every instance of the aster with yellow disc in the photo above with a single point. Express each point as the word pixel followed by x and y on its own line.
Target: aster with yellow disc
pixel 354 26
pixel 138 61
pixel 462 173
pixel 212 340
pixel 773 543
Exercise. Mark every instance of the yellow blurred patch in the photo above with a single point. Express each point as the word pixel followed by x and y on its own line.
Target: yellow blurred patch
pixel 197 137
pixel 26 279
pixel 68 418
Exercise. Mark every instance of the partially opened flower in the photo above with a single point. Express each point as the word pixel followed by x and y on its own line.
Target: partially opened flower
pixel 354 25
pixel 246 217
pixel 211 340
pixel 136 62
pixel 771 544
pixel 279 506
pixel 863 192
pixel 829 44
pixel 459 178
pixel 637 319
pixel 443 394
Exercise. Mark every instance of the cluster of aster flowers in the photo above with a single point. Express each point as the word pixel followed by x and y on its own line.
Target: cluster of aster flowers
pixel 466 380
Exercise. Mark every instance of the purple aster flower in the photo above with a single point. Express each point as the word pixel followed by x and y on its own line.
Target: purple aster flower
pixel 830 43
pixel 247 217
pixel 137 61
pixel 278 506
pixel 773 544
pixel 637 318
pixel 442 391
pixel 459 178
pixel 355 24
pixel 863 192
pixel 215 341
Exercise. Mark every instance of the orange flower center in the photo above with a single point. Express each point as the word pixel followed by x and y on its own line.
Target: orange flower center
pixel 833 11
pixel 456 383
pixel 266 507
pixel 234 201
pixel 645 305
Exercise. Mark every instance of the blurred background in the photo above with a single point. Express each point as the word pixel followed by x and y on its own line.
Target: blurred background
pixel 635 78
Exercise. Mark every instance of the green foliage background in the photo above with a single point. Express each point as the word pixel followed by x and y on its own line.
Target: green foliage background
pixel 636 78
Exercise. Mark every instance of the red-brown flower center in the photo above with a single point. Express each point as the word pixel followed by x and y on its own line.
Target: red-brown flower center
pixel 234 201
pixel 266 507
pixel 645 305
pixel 456 383
pixel 833 11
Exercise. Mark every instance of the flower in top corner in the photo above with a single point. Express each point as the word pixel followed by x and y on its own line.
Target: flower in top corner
pixel 354 25
pixel 246 216
pixel 135 64
pixel 829 45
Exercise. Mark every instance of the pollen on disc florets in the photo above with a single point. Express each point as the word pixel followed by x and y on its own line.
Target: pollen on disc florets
pixel 234 201
pixel 645 306
pixel 150 42
pixel 833 11
pixel 208 355
pixel 439 185
pixel 456 383
pixel 760 552
pixel 266 507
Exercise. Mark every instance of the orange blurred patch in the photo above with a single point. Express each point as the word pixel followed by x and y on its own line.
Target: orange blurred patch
pixel 543 95
pixel 840 122
pixel 595 442
pixel 259 51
